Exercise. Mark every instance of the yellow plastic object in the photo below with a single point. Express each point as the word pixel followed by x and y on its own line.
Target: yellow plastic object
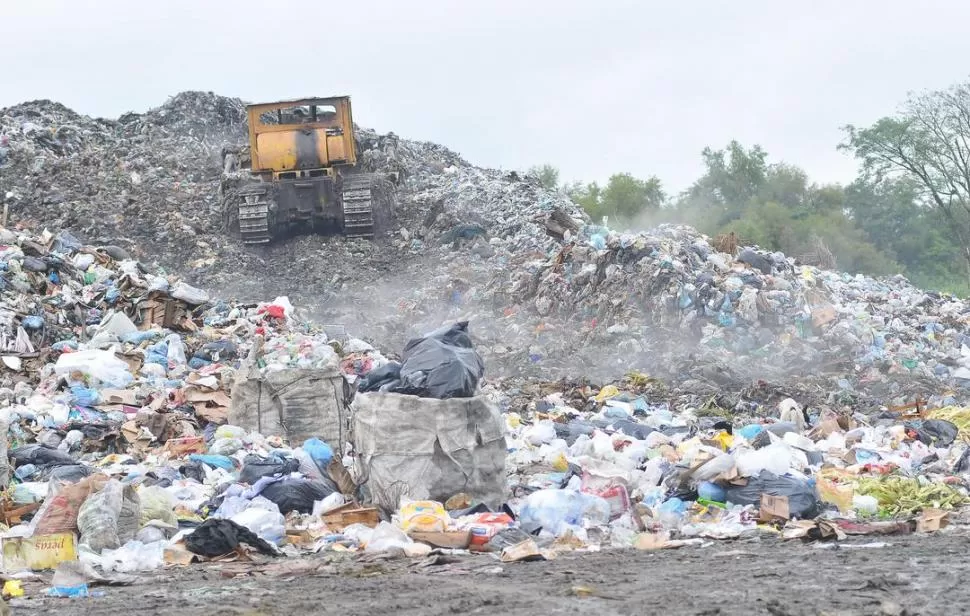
pixel 834 493
pixel 424 516
pixel 559 463
pixel 12 589
pixel 513 420
pixel 724 440
pixel 610 391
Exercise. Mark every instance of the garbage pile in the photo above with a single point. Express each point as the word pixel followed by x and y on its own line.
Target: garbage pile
pixel 609 467
pixel 551 294
pixel 132 442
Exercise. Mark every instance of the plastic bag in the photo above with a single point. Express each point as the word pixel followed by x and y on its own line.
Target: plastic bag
pixel 556 510
pixel 935 432
pixel 541 432
pixel 134 556
pixel 441 365
pixel 378 377
pixel 320 453
pixel 255 467
pixel 775 458
pixel 717 465
pixel 107 516
pixel 225 446
pixel 216 537
pixel 100 365
pixel 213 460
pixel 328 504
pixel 189 294
pixel 227 431
pixel 802 500
pixel 385 537
pixel 157 504
pixel 263 517
pixel 175 354
pixel 59 513
pixel 38 455
pixel 294 494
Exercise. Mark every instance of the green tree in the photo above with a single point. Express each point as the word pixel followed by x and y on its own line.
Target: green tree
pixel 623 198
pixel 547 175
pixel 586 196
pixel 733 176
pixel 626 196
pixel 927 142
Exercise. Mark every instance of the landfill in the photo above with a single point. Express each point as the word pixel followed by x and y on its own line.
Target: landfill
pixel 498 376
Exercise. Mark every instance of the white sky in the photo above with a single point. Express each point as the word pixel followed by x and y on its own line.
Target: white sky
pixel 591 87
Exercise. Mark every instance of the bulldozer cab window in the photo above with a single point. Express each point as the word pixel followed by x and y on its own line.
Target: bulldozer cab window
pixel 299 114
pixel 324 113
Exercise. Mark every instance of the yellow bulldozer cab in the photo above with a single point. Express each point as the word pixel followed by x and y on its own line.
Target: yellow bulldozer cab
pixel 301 138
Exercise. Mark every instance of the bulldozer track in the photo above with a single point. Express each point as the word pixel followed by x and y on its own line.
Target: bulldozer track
pixel 254 223
pixel 358 206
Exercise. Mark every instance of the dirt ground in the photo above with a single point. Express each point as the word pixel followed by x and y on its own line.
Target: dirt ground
pixel 913 575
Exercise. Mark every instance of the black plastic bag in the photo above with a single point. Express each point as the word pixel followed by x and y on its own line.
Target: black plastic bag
pixel 68 473
pixel 255 467
pixel 218 537
pixel 441 365
pixel 38 455
pixel 935 432
pixel 193 470
pixel 378 377
pixel 297 494
pixel 220 350
pixel 802 501
pixel 632 429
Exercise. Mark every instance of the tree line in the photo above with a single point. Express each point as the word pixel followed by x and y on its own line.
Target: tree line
pixel 907 212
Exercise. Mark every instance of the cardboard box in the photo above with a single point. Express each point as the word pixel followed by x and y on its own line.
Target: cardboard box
pixel 345 515
pixel 452 540
pixel 38 552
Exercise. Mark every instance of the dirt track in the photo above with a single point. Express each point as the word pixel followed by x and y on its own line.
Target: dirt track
pixel 914 575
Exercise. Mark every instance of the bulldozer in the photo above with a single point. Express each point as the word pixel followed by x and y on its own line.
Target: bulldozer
pixel 300 173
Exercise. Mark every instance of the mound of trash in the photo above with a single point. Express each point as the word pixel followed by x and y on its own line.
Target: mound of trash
pixel 145 423
pixel 551 294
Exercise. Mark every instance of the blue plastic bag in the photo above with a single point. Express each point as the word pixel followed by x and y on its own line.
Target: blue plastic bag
pixel 320 452
pixel 223 462
pixel 85 396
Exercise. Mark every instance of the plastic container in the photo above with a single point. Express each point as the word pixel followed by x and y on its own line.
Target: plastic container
pixel 424 516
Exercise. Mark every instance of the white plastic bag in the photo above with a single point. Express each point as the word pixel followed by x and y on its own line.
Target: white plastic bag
pixel 189 294
pixel 157 504
pixel 263 517
pixel 557 510
pixel 101 365
pixel 543 431
pixel 776 458
pixel 385 537
pixel 134 556
pixel 176 351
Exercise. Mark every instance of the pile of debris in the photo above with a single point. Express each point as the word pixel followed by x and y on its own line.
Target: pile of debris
pixel 551 294
pixel 148 424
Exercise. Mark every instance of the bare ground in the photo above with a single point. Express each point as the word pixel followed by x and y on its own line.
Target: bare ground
pixel 914 575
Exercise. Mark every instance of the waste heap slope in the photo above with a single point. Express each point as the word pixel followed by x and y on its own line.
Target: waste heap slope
pixel 551 294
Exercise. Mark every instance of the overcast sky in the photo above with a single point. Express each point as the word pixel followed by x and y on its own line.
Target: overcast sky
pixel 591 87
